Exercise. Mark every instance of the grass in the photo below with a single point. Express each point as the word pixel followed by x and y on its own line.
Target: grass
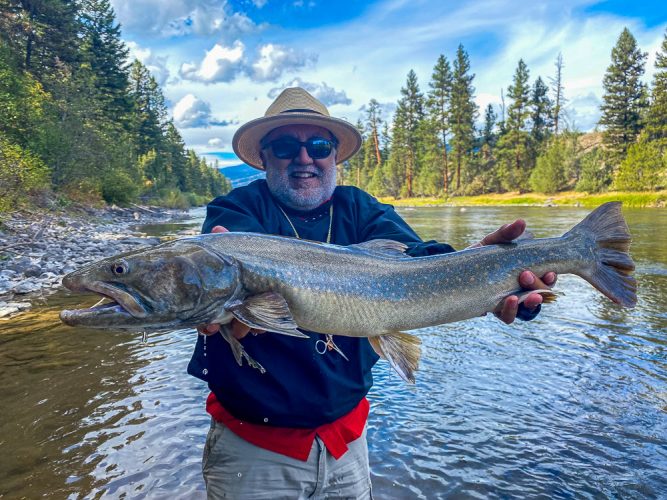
pixel 568 198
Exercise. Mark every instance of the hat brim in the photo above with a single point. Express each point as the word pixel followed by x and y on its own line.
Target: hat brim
pixel 246 141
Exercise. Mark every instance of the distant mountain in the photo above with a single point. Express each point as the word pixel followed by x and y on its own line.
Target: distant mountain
pixel 240 175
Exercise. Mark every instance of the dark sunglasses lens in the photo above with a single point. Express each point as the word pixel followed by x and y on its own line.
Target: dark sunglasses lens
pixel 285 149
pixel 319 148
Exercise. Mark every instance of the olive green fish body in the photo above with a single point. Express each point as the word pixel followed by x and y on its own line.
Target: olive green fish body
pixel 371 290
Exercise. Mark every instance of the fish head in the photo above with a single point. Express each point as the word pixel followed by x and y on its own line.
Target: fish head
pixel 176 284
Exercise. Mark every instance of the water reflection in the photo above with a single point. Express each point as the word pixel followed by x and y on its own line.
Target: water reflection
pixel 573 404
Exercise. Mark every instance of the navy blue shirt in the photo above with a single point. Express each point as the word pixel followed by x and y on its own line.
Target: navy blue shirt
pixel 301 388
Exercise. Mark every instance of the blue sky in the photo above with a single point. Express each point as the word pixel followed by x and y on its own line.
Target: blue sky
pixel 220 63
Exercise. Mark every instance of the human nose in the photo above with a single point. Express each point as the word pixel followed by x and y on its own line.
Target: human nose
pixel 303 157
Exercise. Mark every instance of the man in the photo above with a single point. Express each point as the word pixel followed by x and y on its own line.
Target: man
pixel 298 430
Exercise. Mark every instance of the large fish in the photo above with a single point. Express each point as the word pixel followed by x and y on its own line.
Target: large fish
pixel 367 290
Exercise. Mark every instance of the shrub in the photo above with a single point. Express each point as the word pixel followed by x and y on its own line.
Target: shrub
pixel 21 174
pixel 119 187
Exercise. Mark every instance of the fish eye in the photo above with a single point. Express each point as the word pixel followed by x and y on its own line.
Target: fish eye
pixel 119 268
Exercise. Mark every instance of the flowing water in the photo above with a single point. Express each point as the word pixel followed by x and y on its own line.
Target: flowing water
pixel 572 404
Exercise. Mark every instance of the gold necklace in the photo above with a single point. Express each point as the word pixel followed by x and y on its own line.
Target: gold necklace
pixel 296 232
pixel 321 346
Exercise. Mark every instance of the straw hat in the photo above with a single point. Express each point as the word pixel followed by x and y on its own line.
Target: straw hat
pixel 294 106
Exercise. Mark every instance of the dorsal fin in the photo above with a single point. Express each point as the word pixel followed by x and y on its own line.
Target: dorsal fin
pixel 382 248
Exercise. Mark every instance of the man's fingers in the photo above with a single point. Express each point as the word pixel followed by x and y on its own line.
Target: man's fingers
pixel 239 330
pixel 219 229
pixel 529 281
pixel 506 233
pixel 209 329
pixel 510 307
pixel 549 279
pixel 532 301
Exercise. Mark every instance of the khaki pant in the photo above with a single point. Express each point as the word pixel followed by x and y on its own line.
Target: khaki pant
pixel 236 469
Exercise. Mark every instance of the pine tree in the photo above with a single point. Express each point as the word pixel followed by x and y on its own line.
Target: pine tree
pixel 409 114
pixel 514 145
pixel 106 55
pixel 438 103
pixel 557 87
pixel 488 132
pixel 373 122
pixel 656 117
pixel 624 98
pixel 542 112
pixel 44 32
pixel 463 111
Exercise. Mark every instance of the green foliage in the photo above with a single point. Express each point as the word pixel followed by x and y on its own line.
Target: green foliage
pixel 596 174
pixel 549 174
pixel 119 188
pixel 644 168
pixel 76 118
pixel 463 111
pixel 515 149
pixel 656 117
pixel 625 96
pixel 21 173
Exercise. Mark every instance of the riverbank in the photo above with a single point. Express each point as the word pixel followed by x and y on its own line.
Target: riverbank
pixel 38 249
pixel 568 198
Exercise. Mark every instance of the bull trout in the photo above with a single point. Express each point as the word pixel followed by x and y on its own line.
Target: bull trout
pixel 371 289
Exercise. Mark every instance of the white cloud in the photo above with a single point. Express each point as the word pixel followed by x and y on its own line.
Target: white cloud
pixel 215 142
pixel 221 64
pixel 274 60
pixel 192 112
pixel 259 3
pixel 157 65
pixel 327 95
pixel 183 17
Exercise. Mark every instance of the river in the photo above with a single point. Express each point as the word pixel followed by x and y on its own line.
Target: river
pixel 572 404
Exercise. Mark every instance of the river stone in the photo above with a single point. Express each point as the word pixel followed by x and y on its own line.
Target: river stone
pixel 27 286
pixel 20 264
pixel 7 310
pixel 32 271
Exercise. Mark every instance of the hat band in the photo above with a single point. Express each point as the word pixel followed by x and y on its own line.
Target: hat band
pixel 301 111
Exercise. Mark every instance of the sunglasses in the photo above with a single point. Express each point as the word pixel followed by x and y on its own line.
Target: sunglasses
pixel 287 148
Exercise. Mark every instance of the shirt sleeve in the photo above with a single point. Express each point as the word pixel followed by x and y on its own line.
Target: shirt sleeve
pixel 382 222
pixel 234 213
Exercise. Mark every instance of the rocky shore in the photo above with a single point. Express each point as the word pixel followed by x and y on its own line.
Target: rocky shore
pixel 36 251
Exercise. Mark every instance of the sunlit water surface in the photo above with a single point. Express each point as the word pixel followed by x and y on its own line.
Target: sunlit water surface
pixel 572 404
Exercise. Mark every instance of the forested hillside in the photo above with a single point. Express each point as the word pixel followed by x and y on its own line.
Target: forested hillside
pixel 79 121
pixel 435 146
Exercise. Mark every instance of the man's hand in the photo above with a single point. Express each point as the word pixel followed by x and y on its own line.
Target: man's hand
pixel 239 330
pixel 527 280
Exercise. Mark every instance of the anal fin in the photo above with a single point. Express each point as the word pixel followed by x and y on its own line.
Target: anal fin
pixel 402 350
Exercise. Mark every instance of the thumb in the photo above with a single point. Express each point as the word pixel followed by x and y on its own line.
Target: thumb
pixel 219 229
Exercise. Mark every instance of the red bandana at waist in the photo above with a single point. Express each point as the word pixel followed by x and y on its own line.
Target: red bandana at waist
pixel 295 442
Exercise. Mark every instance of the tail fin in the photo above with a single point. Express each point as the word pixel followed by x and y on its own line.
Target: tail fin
pixel 612 272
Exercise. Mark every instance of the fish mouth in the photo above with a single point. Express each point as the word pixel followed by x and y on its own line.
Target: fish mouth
pixel 122 304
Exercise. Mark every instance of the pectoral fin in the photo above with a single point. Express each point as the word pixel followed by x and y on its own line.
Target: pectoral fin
pixel 266 311
pixel 402 350
pixel 237 349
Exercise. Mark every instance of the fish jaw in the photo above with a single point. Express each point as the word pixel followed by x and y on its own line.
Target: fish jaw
pixel 124 307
